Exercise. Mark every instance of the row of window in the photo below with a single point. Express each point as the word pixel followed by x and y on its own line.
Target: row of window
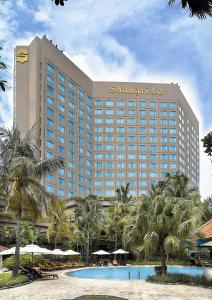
pixel 133 121
pixel 134 103
pixel 123 147
pixel 112 174
pixel 122 165
pixel 143 112
pixel 61 192
pixel 71 104
pixel 50 133
pixel 62 181
pixel 143 138
pixel 132 156
pixel 70 114
pixel 135 129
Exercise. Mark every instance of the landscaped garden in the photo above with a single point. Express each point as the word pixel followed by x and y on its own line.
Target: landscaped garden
pixel 159 229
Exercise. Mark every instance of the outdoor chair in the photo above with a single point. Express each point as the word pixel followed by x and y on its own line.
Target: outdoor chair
pixel 41 274
pixel 114 262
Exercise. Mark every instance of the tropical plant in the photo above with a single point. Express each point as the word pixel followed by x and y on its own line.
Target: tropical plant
pixel 123 194
pixel 2 67
pixel 114 222
pixel 30 234
pixel 163 223
pixel 88 219
pixel 197 8
pixel 178 186
pixel 7 236
pixel 59 221
pixel 21 173
pixel 159 188
pixel 207 143
pixel 207 209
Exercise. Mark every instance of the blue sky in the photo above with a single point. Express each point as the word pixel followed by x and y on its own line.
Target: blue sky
pixel 136 40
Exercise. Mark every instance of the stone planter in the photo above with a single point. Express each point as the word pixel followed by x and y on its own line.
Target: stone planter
pixel 159 270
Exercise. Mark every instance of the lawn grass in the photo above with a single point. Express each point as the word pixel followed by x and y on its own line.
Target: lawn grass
pixel 6 280
pixel 174 278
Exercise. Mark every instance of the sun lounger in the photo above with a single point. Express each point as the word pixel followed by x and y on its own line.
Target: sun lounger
pixel 41 274
pixel 114 262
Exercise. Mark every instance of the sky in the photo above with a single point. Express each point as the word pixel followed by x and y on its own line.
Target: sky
pixel 130 40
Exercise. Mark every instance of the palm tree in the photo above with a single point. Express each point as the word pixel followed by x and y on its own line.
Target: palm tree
pixel 21 172
pixel 178 186
pixel 87 219
pixel 199 8
pixel 122 194
pixel 163 223
pixel 2 67
pixel 59 221
pixel 159 188
pixel 114 223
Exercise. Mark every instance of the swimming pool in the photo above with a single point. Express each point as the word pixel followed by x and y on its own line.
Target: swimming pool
pixel 122 273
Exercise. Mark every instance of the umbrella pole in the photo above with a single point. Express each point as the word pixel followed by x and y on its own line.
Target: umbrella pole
pixel 32 259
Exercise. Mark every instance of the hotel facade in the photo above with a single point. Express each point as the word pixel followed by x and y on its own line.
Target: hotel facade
pixel 107 133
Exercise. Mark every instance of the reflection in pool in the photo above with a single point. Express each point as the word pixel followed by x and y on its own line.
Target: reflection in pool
pixel 122 273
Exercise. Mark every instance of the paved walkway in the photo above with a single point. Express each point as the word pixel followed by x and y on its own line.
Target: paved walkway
pixel 67 288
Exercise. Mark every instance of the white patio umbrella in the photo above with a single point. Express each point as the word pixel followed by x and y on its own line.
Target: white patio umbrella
pixel 11 251
pixel 57 252
pixel 71 252
pixel 208 244
pixel 101 253
pixel 120 251
pixel 35 249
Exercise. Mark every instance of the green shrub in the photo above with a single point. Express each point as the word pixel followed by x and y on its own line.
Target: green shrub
pixel 25 261
pixel 180 278
pixel 7 281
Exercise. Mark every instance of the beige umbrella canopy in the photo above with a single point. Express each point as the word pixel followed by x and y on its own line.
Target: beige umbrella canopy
pixel 11 251
pixel 120 251
pixel 208 244
pixel 58 252
pixel 101 252
pixel 71 252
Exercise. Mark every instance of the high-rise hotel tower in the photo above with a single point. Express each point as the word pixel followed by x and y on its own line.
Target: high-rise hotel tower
pixel 107 133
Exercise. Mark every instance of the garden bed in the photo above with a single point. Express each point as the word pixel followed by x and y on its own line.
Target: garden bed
pixel 172 278
pixel 7 282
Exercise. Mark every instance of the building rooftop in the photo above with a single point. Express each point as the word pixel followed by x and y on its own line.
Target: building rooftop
pixel 206 229
pixel 2 248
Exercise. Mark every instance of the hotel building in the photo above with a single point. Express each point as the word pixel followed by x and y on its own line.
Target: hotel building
pixel 107 133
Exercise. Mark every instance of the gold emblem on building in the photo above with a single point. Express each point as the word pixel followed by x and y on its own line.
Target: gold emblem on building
pixel 22 55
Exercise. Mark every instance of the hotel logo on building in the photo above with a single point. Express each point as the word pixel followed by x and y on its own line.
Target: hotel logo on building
pixel 146 91
pixel 22 55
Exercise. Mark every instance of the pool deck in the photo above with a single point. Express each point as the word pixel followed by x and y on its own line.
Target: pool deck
pixel 67 288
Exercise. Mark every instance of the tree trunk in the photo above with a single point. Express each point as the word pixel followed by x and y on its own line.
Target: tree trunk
pixel 163 260
pixel 116 241
pixel 56 235
pixel 17 252
pixel 87 248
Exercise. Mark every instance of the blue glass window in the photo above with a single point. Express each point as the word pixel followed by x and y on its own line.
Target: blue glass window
pixel 61 77
pixel 61 87
pixel 50 79
pixel 50 68
pixel 50 90
pixel 61 98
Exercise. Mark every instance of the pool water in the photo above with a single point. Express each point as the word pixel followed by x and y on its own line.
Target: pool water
pixel 122 273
